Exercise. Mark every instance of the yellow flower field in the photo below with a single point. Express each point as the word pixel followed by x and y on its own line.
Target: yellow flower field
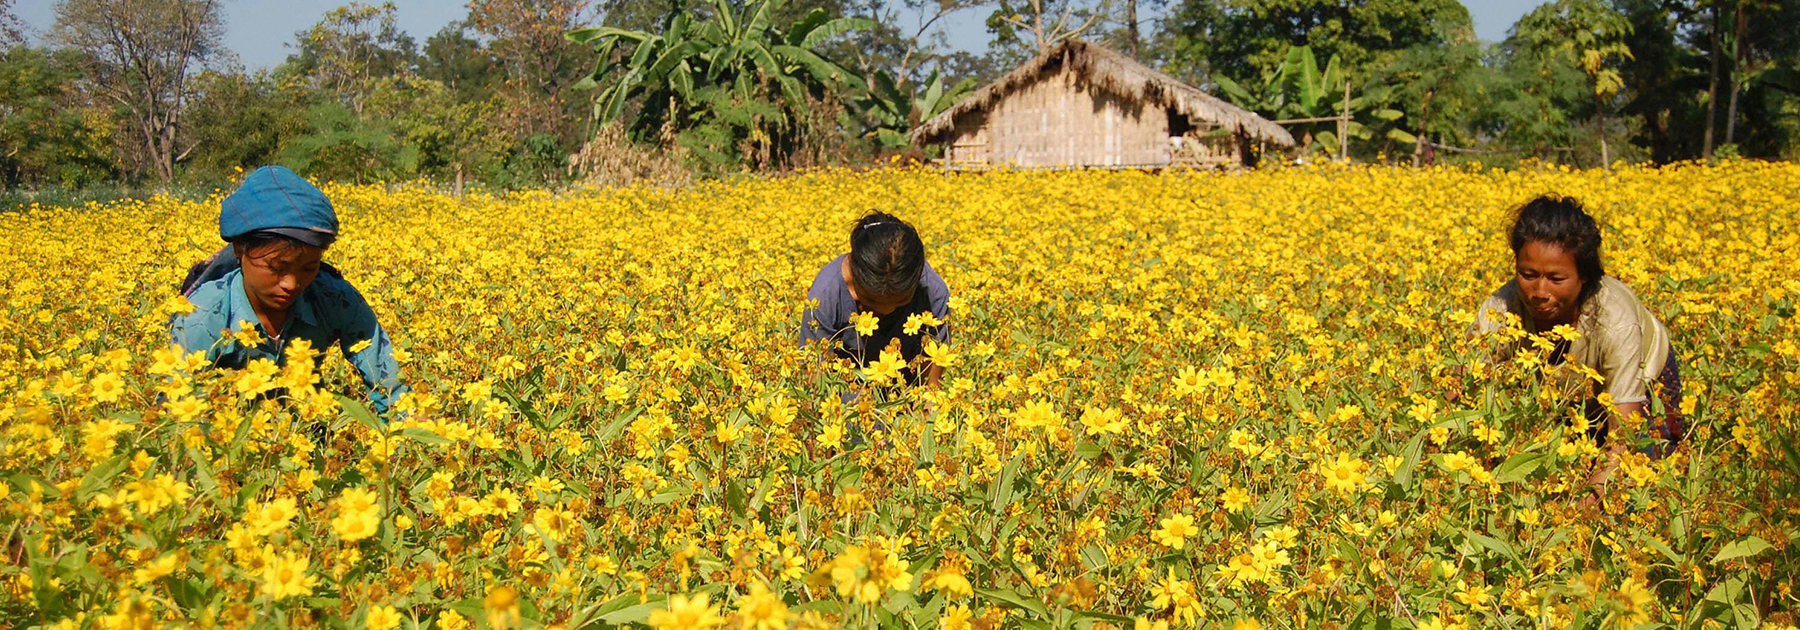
pixel 1239 400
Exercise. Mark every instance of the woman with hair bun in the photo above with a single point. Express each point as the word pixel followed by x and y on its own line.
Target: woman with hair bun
pixel 882 295
pixel 1560 280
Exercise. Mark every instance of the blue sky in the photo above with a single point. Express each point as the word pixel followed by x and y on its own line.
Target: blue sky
pixel 261 32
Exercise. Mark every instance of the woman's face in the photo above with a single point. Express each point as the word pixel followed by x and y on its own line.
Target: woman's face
pixel 274 276
pixel 1549 281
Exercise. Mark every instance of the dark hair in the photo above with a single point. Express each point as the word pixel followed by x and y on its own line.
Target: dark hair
pixel 1560 221
pixel 886 255
pixel 252 241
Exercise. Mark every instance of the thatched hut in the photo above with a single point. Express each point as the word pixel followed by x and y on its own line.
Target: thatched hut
pixel 1081 105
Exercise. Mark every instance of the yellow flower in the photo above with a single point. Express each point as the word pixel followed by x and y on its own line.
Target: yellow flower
pixel 272 517
pixel 106 387
pixel 762 610
pixel 1475 596
pixel 1235 499
pixel 687 613
pixel 1103 421
pixel 382 618
pixel 887 368
pixel 358 515
pixel 157 569
pixel 865 322
pixel 1638 603
pixel 1346 475
pixel 1175 531
pixel 285 576
pixel 1178 597
pixel 502 606
pixel 956 617
pixel 1037 414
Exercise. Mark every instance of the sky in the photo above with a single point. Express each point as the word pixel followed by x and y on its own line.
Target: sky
pixel 261 32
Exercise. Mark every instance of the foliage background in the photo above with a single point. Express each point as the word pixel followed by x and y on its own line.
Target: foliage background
pixel 504 100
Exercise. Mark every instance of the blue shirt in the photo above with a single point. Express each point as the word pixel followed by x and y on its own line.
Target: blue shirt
pixel 829 322
pixel 328 312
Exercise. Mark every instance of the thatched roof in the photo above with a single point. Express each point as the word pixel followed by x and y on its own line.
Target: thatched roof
pixel 1116 73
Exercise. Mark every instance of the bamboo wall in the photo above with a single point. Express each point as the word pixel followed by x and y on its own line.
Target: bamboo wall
pixel 1060 121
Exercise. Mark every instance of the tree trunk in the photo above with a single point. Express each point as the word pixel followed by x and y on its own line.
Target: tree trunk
pixel 1737 68
pixel 1600 120
pixel 1605 156
pixel 1424 122
pixel 1131 27
pixel 1712 90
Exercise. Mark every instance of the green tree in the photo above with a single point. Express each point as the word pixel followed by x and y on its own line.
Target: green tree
pixel 540 64
pixel 1586 35
pixel 47 136
pixel 141 55
pixel 351 49
pixel 456 59
pixel 1443 92
pixel 339 144
pixel 453 138
pixel 1302 91
pixel 240 121
pixel 891 109
pixel 724 69
pixel 1247 40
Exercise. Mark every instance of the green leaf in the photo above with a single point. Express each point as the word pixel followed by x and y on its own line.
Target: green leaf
pixel 423 435
pixel 1493 544
pixel 1414 450
pixel 797 33
pixel 606 435
pixel 355 409
pixel 1745 548
pixel 203 473
pixel 593 35
pixel 1237 93
pixel 1088 450
pixel 1402 136
pixel 99 477
pixel 1013 599
pixel 734 496
pixel 1518 467
pixel 636 613
pixel 1389 114
pixel 1000 495
pixel 762 491
pixel 834 28
pixel 1665 550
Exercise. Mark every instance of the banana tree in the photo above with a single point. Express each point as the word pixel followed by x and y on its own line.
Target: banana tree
pixel 735 49
pixel 891 111
pixel 1299 90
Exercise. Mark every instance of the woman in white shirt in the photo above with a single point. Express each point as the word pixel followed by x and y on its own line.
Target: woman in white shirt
pixel 1560 280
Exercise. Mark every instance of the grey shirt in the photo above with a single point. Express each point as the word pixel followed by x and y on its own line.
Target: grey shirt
pixel 829 321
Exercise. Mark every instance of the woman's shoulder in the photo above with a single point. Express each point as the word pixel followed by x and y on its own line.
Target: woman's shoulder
pixel 215 294
pixel 331 281
pixel 1617 305
pixel 829 276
